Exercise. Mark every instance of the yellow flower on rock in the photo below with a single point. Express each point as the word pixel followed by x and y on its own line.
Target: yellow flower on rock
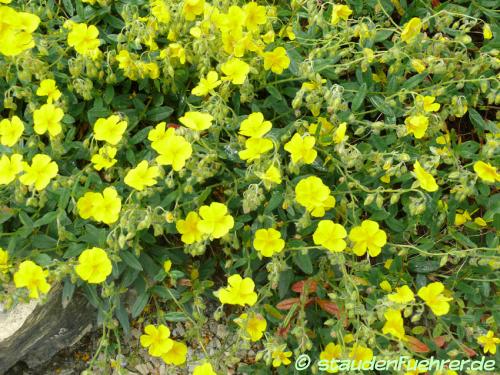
pixel 433 297
pixel 332 351
pixel 236 71
pixel 340 12
pixel 110 129
pixel 255 126
pixel 238 292
pixel 204 369
pixel 157 340
pixel 142 176
pixel 49 89
pixel 94 265
pixel 411 29
pixel 4 260
pixel 315 196
pixel 197 120
pixel 48 118
pixel 428 103
pixel 83 38
pixel 206 85
pixel 302 149
pixel 10 131
pixel 41 171
pixel 10 168
pixel 281 358
pixel 31 276
pixel 189 228
pixel 255 147
pixel 215 220
pixel 486 172
pixel 174 150
pixel 417 125
pixel 330 235
pixel 276 60
pixel 176 355
pixel 394 324
pixel 403 295
pixel 268 242
pixel 427 181
pixel 105 159
pixel 489 342
pixel 254 325
pixel 368 236
pixel 192 8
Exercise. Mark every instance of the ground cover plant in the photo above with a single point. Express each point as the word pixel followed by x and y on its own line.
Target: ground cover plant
pixel 319 176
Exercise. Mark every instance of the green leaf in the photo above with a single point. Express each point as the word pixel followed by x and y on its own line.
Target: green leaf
pixel 159 113
pixel 303 261
pixel 139 304
pixel 68 5
pixel 68 291
pixel 419 265
pixel 359 98
pixel 173 316
pixel 274 202
pixel 131 260
pixel 48 218
pixel 122 316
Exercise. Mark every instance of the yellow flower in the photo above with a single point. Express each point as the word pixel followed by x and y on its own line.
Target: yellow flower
pixel 385 286
pixel 302 148
pixel 206 85
pixel 15 31
pixel 340 12
pixel 315 196
pixel 368 235
pixel 4 260
pixel 105 158
pixel 31 276
pixel 330 235
pixel 418 65
pixel 175 50
pixel 433 297
pixel 489 342
pixel 204 369
pixel 189 228
pixel 174 150
pixel 394 324
pixel 160 11
pixel 197 120
pixel 268 241
pixel 269 37
pixel 403 295
pixel 87 204
pixel 486 171
pixel 192 8
pixel 255 147
pixel 254 325
pixel 108 208
pixel 339 134
pixel 215 220
pixel 176 355
pixel 332 351
pixel 255 126
pixel 49 89
pixel 427 181
pixel 142 176
pixel 10 168
pixel 276 60
pixel 281 358
pixel 417 125
pixel 487 34
pixel 83 38
pixel 462 217
pixel 236 71
pixel 157 340
pixel 271 176
pixel 255 15
pixel 93 266
pixel 167 265
pixel 109 129
pixel 411 29
pixel 48 118
pixel 41 171
pixel 238 292
pixel 10 131
pixel 360 353
pixel 427 103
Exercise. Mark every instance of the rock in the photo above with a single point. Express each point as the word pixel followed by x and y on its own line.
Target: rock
pixel 33 333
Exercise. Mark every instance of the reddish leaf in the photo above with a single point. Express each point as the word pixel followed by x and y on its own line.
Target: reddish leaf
pixel 283 331
pixel 440 341
pixel 416 345
pixel 470 353
pixel 329 307
pixel 175 126
pixel 287 304
pixel 435 3
pixel 308 284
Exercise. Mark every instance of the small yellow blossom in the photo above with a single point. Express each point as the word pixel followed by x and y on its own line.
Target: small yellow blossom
pixel 330 235
pixel 110 129
pixel 427 181
pixel 206 85
pixel 255 15
pixel 418 65
pixel 271 176
pixel 268 242
pixel 489 342
pixel 428 103
pixel 254 325
pixel 176 355
pixel 167 265
pixel 255 126
pixel 331 352
pixel 193 8
pixel 142 176
pixel 10 168
pixel 238 292
pixel 302 149
pixel 432 294
pixel 411 29
pixel 368 236
pixel 173 150
pixel 33 277
pixel 83 38
pixel 197 120
pixel 339 12
pixel 157 340
pixel 462 217
pixel 188 228
pixel 215 220
pixel 417 125
pixel 94 265
pixel 48 118
pixel 281 358
pixel 394 324
pixel 385 286
pixel 4 260
pixel 41 171
pixel 403 295
pixel 486 171
pixel 204 369
pixel 277 60
pixel 315 196
pixel 105 159
pixel 10 131
pixel 49 89
pixel 487 34
pixel 255 148
pixel 360 353
pixel 236 71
